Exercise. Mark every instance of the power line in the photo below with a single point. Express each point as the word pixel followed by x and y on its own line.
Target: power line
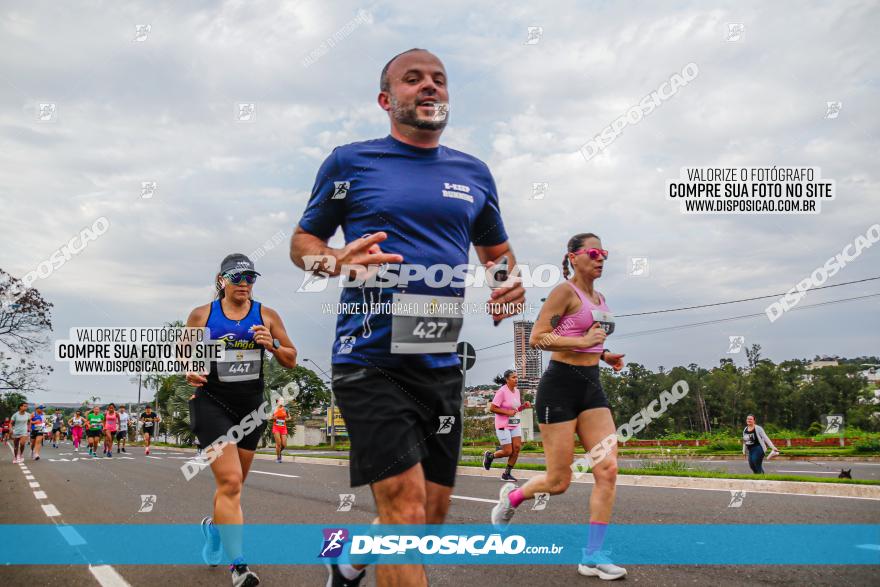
pixel 694 324
pixel 742 300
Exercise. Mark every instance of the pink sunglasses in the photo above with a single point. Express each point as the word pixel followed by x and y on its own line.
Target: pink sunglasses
pixel 593 253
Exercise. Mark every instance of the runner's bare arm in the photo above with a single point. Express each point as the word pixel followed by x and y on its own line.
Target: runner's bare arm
pixel 286 353
pixel 362 251
pixel 514 294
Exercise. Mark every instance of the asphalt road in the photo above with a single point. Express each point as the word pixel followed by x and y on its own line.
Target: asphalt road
pixel 108 492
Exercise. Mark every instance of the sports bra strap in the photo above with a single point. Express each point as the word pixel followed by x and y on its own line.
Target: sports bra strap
pixel 578 291
pixel 583 296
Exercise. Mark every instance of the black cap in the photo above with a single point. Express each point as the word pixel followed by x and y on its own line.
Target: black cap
pixel 237 263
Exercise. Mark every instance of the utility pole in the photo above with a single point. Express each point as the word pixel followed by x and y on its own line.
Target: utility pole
pixel 332 405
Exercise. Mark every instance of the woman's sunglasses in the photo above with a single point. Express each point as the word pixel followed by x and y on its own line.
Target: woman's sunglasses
pixel 239 278
pixel 593 253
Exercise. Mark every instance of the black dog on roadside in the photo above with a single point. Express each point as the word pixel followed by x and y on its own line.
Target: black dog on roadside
pixel 845 474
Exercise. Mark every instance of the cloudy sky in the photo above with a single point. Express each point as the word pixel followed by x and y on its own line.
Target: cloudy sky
pixel 161 106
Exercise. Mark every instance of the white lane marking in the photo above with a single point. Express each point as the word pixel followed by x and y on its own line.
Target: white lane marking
pixel 475 499
pixel 51 511
pixel 810 472
pixel 25 470
pixel 72 537
pixel 149 457
pixel 108 577
pixel 34 485
pixel 275 474
pixel 40 494
pixel 29 477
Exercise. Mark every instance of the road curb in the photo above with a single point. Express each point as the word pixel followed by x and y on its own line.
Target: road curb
pixel 747 485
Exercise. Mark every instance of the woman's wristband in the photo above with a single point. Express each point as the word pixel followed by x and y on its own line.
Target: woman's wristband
pixel 602 354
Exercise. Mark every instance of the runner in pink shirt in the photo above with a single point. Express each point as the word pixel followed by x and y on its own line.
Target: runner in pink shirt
pixel 111 425
pixel 506 406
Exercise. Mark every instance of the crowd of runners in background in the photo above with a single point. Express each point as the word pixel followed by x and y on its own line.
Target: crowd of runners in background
pixel 99 426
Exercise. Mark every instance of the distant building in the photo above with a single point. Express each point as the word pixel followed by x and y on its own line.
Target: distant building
pixel 823 362
pixel 872 374
pixel 475 401
pixel 529 363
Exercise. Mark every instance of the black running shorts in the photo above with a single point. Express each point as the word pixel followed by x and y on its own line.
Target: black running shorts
pixel 215 414
pixel 399 417
pixel 94 433
pixel 567 390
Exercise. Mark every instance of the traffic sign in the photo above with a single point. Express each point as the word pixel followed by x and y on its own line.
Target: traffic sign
pixel 466 354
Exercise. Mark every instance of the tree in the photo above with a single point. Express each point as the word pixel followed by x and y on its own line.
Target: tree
pixel 753 355
pixel 25 324
pixel 313 392
pixel 9 403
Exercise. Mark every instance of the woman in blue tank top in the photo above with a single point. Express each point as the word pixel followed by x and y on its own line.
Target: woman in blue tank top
pixel 227 395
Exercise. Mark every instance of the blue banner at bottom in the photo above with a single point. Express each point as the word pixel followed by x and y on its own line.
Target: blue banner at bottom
pixel 527 544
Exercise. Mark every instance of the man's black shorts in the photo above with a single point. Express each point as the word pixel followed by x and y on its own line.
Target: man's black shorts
pixel 92 433
pixel 397 417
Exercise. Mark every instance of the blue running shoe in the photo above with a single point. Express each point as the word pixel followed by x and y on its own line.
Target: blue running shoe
pixel 212 551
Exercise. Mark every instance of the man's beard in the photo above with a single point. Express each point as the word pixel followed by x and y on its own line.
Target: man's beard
pixel 408 115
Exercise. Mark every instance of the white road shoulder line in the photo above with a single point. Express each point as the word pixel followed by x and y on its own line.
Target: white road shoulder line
pixel 275 474
pixel 108 577
pixel 480 499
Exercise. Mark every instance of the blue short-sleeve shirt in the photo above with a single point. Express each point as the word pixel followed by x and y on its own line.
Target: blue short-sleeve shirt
pixel 433 203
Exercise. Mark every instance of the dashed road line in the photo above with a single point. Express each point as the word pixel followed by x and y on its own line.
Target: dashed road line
pixel 275 474
pixel 480 499
pixel 108 577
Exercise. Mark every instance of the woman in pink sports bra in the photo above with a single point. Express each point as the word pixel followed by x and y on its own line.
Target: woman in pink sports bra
pixel 111 424
pixel 573 324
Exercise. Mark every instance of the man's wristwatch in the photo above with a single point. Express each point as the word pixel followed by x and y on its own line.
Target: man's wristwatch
pixel 602 356
pixel 276 344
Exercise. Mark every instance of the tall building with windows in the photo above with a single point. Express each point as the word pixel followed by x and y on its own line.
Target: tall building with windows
pixel 529 364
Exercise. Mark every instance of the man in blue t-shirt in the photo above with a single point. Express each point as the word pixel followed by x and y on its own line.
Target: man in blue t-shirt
pixel 409 202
